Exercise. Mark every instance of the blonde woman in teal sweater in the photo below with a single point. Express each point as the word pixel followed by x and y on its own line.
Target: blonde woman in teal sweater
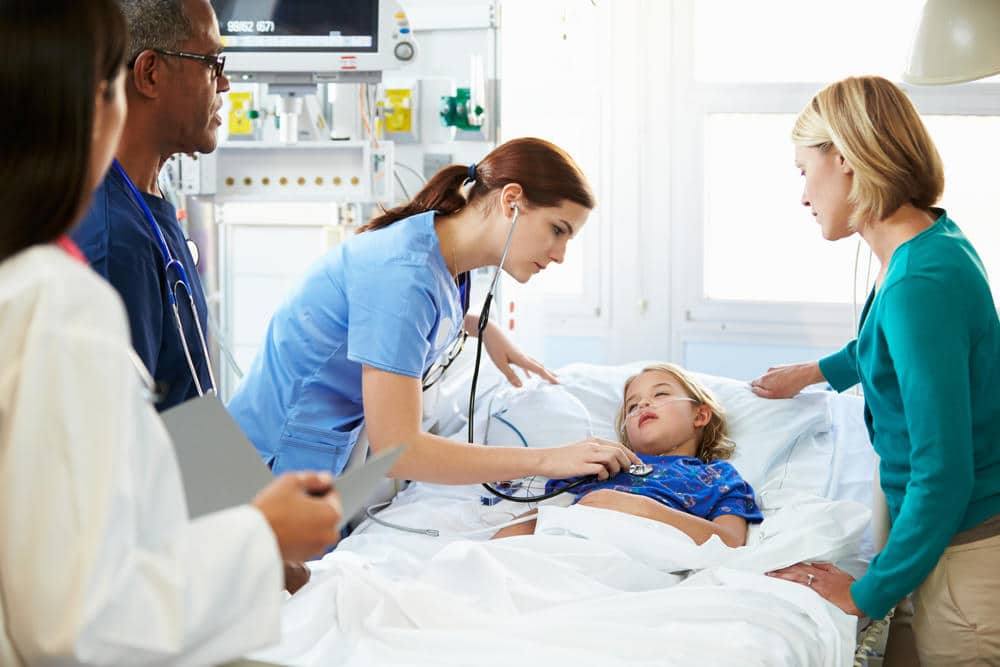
pixel 928 358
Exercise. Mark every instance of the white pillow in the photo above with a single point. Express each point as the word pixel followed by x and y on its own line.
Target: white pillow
pixel 537 415
pixel 815 443
pixel 767 433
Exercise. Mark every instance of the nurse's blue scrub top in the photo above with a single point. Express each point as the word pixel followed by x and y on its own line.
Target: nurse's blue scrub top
pixel 120 245
pixel 384 299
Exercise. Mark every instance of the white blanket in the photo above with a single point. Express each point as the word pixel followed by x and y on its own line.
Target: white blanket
pixel 592 587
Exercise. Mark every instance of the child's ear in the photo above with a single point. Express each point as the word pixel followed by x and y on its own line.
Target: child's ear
pixel 702 415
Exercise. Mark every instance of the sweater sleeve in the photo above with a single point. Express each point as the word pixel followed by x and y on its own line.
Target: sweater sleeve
pixel 841 368
pixel 927 334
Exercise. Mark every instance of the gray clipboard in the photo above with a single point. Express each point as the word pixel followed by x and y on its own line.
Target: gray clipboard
pixel 221 468
pixel 355 486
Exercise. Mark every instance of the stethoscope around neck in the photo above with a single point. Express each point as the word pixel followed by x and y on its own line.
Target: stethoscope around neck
pixel 171 263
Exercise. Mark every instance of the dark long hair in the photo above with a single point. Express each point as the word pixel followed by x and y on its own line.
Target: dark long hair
pixel 53 56
pixel 545 172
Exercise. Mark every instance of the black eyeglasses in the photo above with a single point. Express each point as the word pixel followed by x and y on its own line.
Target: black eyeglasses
pixel 217 63
pixel 436 372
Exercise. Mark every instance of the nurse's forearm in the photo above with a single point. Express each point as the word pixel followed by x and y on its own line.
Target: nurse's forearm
pixel 393 417
pixel 471 324
pixel 431 458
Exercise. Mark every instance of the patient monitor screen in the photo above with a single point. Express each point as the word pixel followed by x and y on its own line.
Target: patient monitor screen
pixel 298 25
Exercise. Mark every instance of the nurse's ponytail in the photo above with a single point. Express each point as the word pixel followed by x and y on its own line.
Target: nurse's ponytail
pixel 546 173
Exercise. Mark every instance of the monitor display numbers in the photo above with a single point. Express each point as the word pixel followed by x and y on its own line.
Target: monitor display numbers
pixel 237 27
pixel 298 25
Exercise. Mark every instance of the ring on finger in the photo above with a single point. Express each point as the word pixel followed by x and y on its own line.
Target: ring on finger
pixel 809 579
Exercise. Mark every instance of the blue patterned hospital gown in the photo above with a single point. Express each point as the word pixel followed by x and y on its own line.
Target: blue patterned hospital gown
pixel 685 483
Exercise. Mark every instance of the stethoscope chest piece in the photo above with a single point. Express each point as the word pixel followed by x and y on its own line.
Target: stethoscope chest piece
pixel 640 469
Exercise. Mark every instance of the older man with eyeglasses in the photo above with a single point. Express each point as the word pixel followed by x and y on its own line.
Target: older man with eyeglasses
pixel 174 87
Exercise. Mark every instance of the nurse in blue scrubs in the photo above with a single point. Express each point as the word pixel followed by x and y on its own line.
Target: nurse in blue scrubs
pixel 352 343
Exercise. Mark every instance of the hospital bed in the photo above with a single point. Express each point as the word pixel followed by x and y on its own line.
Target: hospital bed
pixel 594 587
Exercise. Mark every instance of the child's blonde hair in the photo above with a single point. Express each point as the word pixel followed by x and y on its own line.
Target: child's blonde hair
pixel 715 444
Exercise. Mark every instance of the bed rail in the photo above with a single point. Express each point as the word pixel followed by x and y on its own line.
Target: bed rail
pixel 872 642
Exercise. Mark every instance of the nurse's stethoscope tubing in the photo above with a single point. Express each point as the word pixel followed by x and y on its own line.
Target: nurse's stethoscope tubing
pixel 170 262
pixel 484 319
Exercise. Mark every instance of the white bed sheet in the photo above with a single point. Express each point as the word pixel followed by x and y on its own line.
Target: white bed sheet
pixel 594 587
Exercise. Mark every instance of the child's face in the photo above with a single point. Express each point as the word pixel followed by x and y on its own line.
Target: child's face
pixel 661 418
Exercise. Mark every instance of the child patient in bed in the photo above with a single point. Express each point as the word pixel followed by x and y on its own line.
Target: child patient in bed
pixel 676 426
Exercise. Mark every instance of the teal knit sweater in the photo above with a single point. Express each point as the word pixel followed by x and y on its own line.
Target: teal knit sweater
pixel 928 357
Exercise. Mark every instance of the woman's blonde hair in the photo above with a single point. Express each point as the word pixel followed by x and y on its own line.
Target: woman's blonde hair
pixel 715 444
pixel 874 125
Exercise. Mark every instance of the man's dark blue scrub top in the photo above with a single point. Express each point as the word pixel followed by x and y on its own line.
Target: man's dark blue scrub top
pixel 120 245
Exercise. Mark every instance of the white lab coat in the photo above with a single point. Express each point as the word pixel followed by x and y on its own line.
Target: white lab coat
pixel 99 562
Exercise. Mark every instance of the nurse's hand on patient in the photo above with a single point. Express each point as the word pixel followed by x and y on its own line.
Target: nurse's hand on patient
pixel 304 525
pixel 505 355
pixel 786 381
pixel 594 456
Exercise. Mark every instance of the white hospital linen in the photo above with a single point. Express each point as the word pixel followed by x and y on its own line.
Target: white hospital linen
pixel 594 587
pixel 99 563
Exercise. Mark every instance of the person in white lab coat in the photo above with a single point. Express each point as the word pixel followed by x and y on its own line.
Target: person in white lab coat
pixel 99 562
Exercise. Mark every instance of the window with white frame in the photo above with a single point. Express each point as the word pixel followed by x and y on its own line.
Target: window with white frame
pixel 744 71
pixel 563 39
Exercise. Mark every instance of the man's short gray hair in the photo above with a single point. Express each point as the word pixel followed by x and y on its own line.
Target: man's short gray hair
pixel 155 24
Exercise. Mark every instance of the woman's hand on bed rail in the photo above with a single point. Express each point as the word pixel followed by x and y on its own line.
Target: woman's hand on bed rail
pixel 593 456
pixel 828 581
pixel 786 381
